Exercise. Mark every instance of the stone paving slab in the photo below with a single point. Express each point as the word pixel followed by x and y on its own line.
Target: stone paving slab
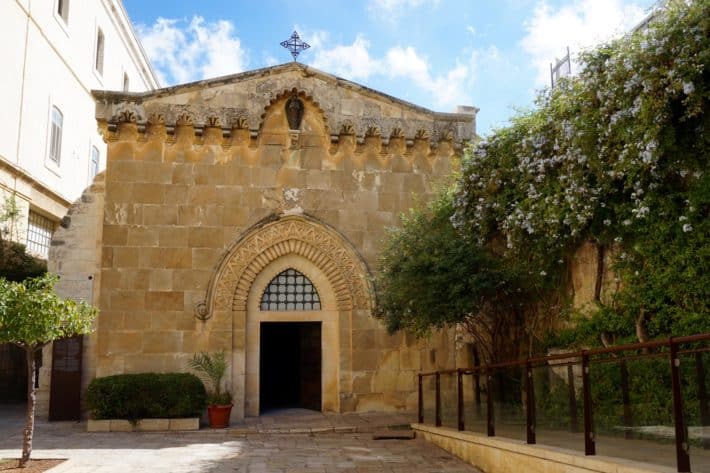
pixel 302 421
pixel 223 450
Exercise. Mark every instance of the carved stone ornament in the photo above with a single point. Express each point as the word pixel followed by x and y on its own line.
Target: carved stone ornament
pixel 294 112
pixel 300 235
pixel 294 137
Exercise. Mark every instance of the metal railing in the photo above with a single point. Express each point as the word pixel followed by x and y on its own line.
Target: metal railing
pixel 564 365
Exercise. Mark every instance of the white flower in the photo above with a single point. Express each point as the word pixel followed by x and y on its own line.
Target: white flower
pixel 682 218
pixel 607 222
pixel 687 228
pixel 626 222
pixel 543 273
pixel 688 88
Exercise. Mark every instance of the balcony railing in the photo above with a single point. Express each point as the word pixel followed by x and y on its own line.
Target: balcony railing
pixel 654 395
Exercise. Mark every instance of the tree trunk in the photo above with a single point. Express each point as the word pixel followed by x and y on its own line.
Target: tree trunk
pixel 30 352
pixel 641 330
pixel 601 249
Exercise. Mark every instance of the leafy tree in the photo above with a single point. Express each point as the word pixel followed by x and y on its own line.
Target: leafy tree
pixel 31 316
pixel 15 263
pixel 430 276
pixel 617 156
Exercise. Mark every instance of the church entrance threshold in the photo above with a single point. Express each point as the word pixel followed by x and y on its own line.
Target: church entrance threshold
pixel 290 366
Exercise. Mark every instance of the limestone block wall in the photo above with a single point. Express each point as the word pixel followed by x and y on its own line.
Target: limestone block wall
pixel 202 183
pixel 583 276
pixel 75 255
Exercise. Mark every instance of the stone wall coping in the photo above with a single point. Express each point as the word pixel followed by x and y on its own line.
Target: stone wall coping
pixel 544 453
pixel 412 122
pixel 143 425
pixel 111 96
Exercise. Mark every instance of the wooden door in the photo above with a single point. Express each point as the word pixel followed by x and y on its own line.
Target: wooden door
pixel 310 365
pixel 65 388
pixel 13 373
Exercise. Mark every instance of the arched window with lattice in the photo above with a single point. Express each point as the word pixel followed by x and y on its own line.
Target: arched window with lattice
pixel 290 290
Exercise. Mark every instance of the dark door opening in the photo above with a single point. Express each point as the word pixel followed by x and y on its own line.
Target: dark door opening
pixel 290 365
pixel 13 374
pixel 65 386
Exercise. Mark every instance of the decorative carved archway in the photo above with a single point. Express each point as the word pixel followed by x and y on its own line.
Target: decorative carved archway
pixel 257 250
pixel 301 235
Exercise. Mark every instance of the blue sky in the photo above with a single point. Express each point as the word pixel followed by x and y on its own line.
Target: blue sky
pixel 435 53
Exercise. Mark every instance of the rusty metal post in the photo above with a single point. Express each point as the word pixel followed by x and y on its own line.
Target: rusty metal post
pixel 477 383
pixel 477 391
pixel 702 396
pixel 681 433
pixel 460 400
pixel 491 429
pixel 626 398
pixel 530 403
pixel 420 407
pixel 572 393
pixel 589 446
pixel 438 399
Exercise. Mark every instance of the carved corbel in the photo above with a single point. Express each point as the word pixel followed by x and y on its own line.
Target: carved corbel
pixel 170 134
pixel 253 138
pixel 359 144
pixel 334 141
pixel 408 146
pixel 107 130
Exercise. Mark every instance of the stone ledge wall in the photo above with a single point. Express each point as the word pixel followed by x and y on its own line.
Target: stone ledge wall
pixel 500 455
pixel 75 255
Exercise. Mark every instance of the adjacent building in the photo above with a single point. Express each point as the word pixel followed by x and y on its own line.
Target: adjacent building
pixel 55 53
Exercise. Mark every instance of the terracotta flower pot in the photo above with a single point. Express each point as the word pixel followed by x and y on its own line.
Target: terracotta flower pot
pixel 219 415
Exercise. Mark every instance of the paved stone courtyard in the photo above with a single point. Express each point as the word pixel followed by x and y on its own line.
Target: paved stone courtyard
pixel 341 444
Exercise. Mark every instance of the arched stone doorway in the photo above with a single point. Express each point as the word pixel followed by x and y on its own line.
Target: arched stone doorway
pixel 295 331
pixel 263 252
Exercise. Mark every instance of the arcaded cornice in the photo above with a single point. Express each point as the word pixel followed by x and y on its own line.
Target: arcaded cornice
pixel 347 108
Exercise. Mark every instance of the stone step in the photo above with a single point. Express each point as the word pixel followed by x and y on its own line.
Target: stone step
pixel 394 434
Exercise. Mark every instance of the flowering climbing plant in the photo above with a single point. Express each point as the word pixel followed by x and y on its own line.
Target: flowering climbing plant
pixel 619 156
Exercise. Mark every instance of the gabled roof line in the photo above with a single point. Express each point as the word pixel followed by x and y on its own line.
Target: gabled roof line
pixel 116 96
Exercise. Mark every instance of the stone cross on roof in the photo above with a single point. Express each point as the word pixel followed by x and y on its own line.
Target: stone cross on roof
pixel 295 45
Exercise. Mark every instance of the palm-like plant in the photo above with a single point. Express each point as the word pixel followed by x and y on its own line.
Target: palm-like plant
pixel 213 367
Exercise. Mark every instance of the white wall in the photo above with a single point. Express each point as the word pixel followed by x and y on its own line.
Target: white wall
pixel 47 61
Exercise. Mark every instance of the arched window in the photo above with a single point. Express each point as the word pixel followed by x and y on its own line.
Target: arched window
pixel 290 290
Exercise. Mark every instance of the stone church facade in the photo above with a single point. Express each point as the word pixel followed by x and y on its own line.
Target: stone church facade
pixel 236 206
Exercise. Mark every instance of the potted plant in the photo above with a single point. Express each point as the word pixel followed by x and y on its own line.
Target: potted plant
pixel 219 403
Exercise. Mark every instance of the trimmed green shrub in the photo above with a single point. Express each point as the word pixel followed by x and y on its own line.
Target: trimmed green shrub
pixel 146 395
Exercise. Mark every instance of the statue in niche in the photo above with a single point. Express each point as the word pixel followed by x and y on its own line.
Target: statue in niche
pixel 294 112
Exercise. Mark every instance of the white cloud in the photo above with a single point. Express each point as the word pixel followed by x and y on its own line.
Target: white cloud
pixel 446 90
pixel 404 64
pixel 580 25
pixel 352 60
pixel 183 51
